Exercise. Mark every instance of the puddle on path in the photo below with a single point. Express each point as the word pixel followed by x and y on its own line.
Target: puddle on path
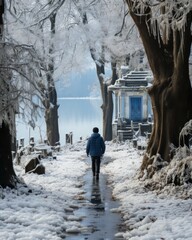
pixel 100 222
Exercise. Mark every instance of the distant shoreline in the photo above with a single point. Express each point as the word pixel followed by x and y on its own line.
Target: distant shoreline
pixel 79 98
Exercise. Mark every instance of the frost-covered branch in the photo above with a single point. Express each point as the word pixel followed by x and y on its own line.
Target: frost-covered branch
pixel 166 15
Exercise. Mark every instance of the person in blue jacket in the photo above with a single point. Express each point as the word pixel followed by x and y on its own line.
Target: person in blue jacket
pixel 95 148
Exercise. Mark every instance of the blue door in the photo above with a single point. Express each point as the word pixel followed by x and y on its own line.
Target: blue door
pixel 136 108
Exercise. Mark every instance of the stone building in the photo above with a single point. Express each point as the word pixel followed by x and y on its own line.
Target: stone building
pixel 132 107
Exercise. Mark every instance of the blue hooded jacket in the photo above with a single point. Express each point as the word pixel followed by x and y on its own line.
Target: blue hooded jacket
pixel 95 145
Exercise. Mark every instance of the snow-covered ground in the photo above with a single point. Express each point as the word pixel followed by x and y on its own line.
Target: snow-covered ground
pixel 46 208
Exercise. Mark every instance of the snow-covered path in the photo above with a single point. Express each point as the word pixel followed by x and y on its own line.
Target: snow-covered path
pixel 97 204
pixel 59 204
pixel 50 207
pixel 162 214
pixel 44 209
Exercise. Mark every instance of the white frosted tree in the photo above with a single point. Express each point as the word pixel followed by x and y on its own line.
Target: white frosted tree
pixel 34 24
pixel 21 68
pixel 101 27
pixel 11 65
pixel 51 27
pixel 109 33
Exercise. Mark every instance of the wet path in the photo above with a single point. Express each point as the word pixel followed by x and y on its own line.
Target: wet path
pixel 100 221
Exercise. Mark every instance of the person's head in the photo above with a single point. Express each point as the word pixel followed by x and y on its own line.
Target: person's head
pixel 95 130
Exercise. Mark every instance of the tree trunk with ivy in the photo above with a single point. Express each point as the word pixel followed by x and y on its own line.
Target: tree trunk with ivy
pixel 171 93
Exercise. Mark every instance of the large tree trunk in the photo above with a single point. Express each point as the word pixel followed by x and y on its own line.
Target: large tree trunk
pixel 51 119
pixel 51 110
pixel 108 105
pixel 107 100
pixel 51 106
pixel 107 108
pixel 7 175
pixel 171 93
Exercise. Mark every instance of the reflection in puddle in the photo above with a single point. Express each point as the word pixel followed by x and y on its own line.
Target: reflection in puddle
pixel 96 195
pixel 98 221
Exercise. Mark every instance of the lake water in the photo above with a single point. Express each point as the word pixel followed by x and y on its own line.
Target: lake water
pixel 76 115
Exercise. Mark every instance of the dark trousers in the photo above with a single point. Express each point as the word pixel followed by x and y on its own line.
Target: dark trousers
pixel 96 164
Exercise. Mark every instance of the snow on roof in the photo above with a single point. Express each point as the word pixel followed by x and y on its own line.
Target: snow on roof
pixel 134 80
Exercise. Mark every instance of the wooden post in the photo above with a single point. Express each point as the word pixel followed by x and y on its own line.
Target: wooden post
pixel 69 138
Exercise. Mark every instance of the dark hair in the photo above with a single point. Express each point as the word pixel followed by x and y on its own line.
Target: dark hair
pixel 95 130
